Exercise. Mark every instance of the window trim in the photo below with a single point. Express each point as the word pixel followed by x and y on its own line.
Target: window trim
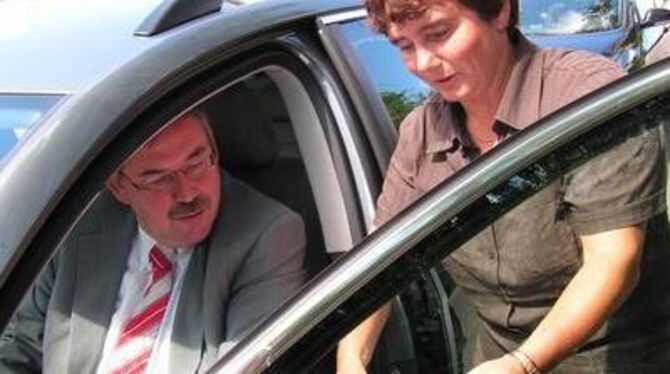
pixel 365 178
pixel 364 95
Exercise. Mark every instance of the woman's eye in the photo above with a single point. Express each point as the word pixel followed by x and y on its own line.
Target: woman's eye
pixel 405 48
pixel 437 35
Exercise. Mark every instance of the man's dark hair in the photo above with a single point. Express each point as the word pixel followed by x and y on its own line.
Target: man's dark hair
pixel 381 13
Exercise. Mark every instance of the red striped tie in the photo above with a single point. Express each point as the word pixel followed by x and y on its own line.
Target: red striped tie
pixel 136 341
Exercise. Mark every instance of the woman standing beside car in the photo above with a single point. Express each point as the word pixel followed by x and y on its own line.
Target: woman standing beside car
pixel 554 280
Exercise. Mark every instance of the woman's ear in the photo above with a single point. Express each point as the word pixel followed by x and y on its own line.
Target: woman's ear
pixel 501 22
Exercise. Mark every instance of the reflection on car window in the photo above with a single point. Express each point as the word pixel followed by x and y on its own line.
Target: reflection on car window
pixel 568 16
pixel 400 90
pixel 18 113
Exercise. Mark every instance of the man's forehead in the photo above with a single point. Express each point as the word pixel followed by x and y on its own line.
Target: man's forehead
pixel 155 166
pixel 181 139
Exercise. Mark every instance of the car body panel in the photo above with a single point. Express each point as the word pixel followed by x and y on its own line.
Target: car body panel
pixel 621 41
pixel 58 32
pixel 67 46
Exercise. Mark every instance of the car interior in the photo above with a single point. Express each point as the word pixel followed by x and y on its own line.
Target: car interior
pixel 257 145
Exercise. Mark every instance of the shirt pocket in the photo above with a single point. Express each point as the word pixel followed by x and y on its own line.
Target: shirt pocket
pixel 539 252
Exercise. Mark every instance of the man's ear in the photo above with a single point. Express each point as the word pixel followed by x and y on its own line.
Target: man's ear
pixel 118 190
pixel 501 21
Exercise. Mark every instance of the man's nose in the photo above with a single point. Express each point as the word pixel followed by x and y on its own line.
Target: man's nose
pixel 182 188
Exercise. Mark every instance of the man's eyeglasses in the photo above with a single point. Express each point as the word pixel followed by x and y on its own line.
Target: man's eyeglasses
pixel 193 171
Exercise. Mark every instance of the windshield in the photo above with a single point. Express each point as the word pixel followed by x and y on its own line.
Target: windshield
pixel 18 113
pixel 568 16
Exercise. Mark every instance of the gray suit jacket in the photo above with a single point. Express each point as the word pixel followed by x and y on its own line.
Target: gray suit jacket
pixel 250 264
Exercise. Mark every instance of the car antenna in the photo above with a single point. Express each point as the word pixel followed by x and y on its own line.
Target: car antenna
pixel 173 13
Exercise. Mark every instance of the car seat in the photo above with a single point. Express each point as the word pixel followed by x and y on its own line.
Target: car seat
pixel 260 149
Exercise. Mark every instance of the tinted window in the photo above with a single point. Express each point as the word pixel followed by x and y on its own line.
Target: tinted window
pixel 399 89
pixel 568 16
pixel 18 113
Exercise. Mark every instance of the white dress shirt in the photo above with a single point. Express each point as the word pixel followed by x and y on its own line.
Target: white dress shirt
pixel 135 281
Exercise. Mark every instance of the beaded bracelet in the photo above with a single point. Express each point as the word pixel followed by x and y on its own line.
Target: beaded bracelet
pixel 526 362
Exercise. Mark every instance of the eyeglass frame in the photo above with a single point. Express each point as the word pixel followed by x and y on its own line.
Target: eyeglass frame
pixel 211 160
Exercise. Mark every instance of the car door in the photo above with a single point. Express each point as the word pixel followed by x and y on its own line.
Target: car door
pixel 408 247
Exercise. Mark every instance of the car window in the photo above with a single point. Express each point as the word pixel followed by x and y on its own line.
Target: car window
pixel 399 90
pixel 569 17
pixel 264 138
pixel 544 186
pixel 18 113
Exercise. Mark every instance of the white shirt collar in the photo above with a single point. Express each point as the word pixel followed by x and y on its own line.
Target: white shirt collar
pixel 145 243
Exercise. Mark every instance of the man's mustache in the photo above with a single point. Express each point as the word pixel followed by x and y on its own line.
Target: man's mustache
pixel 185 209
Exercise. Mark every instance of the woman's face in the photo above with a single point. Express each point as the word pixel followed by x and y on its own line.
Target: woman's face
pixel 453 50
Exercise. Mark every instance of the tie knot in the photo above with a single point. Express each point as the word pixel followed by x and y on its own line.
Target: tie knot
pixel 160 263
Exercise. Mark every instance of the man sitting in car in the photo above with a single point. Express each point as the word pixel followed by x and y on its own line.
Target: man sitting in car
pixel 171 266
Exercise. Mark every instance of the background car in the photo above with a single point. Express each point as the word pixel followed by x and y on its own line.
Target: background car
pixel 304 99
pixel 612 28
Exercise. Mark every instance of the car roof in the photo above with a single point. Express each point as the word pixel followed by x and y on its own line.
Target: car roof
pixel 65 46
pixel 61 46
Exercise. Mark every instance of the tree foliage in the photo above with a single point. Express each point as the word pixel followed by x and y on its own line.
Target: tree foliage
pixel 400 103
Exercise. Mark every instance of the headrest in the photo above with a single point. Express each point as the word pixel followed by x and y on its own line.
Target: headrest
pixel 242 128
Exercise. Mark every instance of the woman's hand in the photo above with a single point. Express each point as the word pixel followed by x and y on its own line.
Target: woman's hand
pixel 350 364
pixel 503 365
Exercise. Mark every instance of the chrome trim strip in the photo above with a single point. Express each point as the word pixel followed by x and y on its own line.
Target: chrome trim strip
pixel 448 324
pixel 342 117
pixel 320 166
pixel 344 16
pixel 371 257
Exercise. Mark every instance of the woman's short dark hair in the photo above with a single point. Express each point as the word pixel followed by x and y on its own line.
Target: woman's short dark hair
pixel 381 13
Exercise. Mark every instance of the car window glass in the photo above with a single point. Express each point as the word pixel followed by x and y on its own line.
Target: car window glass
pixel 568 17
pixel 18 113
pixel 423 333
pixel 399 90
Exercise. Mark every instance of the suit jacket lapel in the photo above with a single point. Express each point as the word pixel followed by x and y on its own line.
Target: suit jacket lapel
pixel 102 257
pixel 187 340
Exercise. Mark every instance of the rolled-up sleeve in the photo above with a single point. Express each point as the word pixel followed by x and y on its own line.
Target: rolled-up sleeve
pixel 622 187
